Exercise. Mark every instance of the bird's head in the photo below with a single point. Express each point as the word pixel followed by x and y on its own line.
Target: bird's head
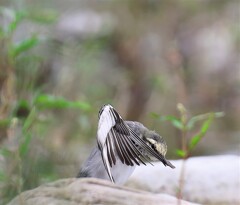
pixel 155 141
pixel 158 144
pixel 152 139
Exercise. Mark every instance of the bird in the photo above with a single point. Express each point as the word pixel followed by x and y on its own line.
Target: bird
pixel 121 147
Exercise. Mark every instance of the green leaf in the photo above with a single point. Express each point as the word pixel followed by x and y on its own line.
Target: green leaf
pixel 19 16
pixel 178 124
pixel 206 125
pixel 49 102
pixel 198 118
pixel 168 118
pixel 23 104
pixel 82 105
pixel 15 16
pixel 194 140
pixel 174 120
pixel 181 153
pixel 203 130
pixel 23 46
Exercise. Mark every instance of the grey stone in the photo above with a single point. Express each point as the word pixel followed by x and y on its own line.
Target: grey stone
pixel 207 180
pixel 90 191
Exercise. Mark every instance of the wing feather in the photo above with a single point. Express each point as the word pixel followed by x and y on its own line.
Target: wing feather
pixel 117 148
pixel 117 140
pixel 126 158
pixel 106 164
pixel 131 152
pixel 130 155
pixel 110 152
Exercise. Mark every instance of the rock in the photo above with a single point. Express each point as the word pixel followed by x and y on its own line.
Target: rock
pixel 84 24
pixel 90 191
pixel 207 180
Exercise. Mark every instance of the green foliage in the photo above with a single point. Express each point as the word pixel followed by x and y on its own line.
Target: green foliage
pixel 23 46
pixel 181 153
pixel 191 123
pixel 198 124
pixel 51 102
pixel 186 125
pixel 16 16
pixel 174 120
pixel 25 122
pixel 42 102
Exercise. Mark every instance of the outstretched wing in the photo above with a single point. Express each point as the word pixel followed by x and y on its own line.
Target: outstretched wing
pixel 114 140
pixel 117 140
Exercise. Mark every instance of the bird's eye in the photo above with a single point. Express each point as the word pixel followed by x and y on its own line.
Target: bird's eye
pixel 153 146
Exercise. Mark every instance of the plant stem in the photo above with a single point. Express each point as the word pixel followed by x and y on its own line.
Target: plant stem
pixel 184 142
pixel 185 150
pixel 181 181
pixel 182 172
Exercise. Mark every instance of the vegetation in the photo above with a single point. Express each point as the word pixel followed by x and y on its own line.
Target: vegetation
pixel 24 117
pixel 190 138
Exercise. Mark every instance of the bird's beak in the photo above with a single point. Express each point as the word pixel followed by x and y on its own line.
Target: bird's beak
pixel 169 164
pixel 166 162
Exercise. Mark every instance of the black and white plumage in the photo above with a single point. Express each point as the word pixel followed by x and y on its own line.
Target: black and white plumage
pixel 122 146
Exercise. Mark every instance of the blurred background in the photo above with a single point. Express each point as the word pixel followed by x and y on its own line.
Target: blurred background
pixel 60 61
